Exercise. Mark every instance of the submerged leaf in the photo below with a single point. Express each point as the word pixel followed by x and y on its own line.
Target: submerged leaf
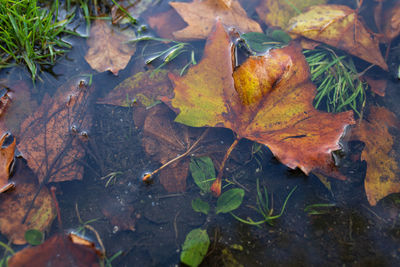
pixel 15 203
pixel 230 200
pixel 391 22
pixel 107 48
pixel 340 27
pixel 277 13
pixel 202 170
pixel 51 137
pixel 60 251
pixel 195 247
pixel 200 16
pixel 164 140
pixel 7 150
pixel 143 88
pixel 268 100
pixel 383 170
pixel 34 237
pixel 199 205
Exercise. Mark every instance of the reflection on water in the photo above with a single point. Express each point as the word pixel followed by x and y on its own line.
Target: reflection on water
pixel 149 224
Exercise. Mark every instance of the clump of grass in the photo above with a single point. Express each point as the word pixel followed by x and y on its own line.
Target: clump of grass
pixel 166 55
pixel 30 34
pixel 339 87
pixel 264 208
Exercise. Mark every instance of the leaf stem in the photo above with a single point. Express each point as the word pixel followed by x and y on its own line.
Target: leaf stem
pixel 216 186
pixel 148 176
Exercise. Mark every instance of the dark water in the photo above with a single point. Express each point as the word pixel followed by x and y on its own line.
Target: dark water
pixel 149 224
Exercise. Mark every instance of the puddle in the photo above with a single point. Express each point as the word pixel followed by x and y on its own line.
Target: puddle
pixel 149 225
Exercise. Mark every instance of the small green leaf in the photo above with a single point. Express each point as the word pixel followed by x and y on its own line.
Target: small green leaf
pixel 199 205
pixel 34 237
pixel 203 172
pixel 230 200
pixel 281 36
pixel 195 247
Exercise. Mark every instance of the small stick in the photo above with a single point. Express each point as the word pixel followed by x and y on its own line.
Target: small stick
pixel 148 176
pixel 216 186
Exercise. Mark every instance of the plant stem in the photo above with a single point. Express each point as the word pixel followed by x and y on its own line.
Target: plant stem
pixel 216 186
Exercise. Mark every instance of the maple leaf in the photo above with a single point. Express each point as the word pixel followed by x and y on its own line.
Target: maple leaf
pixel 277 13
pixel 142 88
pixel 200 16
pixel 107 48
pixel 7 150
pixel 50 137
pixel 268 100
pixel 164 140
pixel 339 27
pixel 383 170
pixel 60 250
pixel 15 203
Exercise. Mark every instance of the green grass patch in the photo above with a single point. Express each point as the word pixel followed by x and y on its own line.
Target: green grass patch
pixel 30 35
pixel 339 87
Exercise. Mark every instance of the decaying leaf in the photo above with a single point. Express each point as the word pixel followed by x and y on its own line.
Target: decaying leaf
pixel 108 49
pixel 19 108
pixel 142 88
pixel 377 86
pixel 164 140
pixel 268 100
pixel 119 214
pixel 7 150
pixel 166 23
pixel 391 22
pixel 338 26
pixel 15 203
pixel 277 13
pixel 59 250
pixel 134 9
pixel 200 16
pixel 5 100
pixel 50 137
pixel 383 171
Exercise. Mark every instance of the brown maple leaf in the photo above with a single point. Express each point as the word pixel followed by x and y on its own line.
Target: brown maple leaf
pixel 107 48
pixel 340 27
pixel 268 100
pixel 50 138
pixel 277 13
pixel 165 140
pixel 166 23
pixel 15 203
pixel 383 170
pixel 60 250
pixel 200 16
